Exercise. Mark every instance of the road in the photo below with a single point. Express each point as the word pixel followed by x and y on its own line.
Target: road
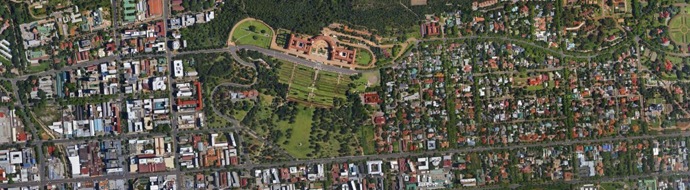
pixel 236 125
pixel 281 55
pixel 277 54
pixel 369 157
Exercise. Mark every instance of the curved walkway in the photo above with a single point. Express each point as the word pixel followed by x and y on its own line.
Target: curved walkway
pixel 238 126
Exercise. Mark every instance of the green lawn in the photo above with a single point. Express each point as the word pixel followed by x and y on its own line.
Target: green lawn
pixel 261 36
pixel 366 139
pixel 298 143
pixel 216 121
pixel 363 57
pixel 680 29
pixel 396 146
pixel 39 68
pixel 374 77
pixel 240 114
pixel 535 87
pixel 5 61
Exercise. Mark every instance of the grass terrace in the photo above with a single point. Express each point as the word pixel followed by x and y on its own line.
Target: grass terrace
pixel 253 32
pixel 363 58
pixel 306 85
pixel 299 140
pixel 39 68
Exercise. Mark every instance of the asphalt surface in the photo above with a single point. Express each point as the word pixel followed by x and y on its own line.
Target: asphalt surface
pixel 372 157
pixel 273 53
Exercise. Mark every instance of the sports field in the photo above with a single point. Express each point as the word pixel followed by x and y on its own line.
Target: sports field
pixel 252 32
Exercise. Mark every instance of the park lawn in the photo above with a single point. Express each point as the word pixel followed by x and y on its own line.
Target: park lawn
pixel 320 99
pixel 678 36
pixel 366 139
pixel 264 112
pixel 298 144
pixel 330 148
pixel 39 68
pixel 240 114
pixel 362 82
pixel 216 122
pixel 680 27
pixel 363 57
pixel 243 36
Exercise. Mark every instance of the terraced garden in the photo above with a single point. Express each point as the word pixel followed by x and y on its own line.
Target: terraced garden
pixel 304 87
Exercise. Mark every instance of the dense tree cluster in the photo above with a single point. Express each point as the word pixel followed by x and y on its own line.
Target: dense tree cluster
pixel 219 67
pixel 19 12
pixel 384 17
pixel 214 34
pixel 197 5
pixel 345 118
pixel 267 81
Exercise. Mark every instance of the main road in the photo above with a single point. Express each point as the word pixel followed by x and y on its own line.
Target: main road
pixel 287 57
pixel 277 54
pixel 360 158
pixel 284 56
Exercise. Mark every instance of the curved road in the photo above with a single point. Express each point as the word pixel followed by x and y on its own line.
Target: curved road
pixel 284 56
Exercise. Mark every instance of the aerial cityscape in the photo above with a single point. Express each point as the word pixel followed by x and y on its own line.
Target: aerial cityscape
pixel 344 94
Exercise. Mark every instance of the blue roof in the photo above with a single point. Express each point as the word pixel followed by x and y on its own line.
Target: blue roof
pixel 98 124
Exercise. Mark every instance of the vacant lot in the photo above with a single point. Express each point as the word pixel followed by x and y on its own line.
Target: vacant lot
pixel 252 33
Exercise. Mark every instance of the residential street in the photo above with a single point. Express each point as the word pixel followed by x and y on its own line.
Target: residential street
pixel 236 126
